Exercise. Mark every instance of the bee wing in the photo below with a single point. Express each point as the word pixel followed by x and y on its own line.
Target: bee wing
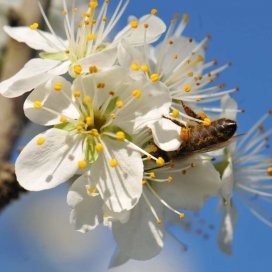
pixel 210 147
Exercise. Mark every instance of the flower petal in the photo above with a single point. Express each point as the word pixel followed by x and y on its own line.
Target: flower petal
pixel 145 110
pixel 141 238
pixel 36 39
pixel 229 107
pixel 141 35
pixel 54 103
pixel 190 189
pixel 86 211
pixel 227 182
pixel 166 135
pixel 35 72
pixel 226 234
pixel 121 186
pixel 46 165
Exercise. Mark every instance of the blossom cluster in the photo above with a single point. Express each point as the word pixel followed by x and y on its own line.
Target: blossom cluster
pixel 131 120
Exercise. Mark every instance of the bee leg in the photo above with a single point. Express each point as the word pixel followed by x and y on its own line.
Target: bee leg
pixel 191 113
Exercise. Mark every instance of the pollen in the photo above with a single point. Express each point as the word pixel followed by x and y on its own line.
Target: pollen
pixel 34 26
pixel 152 149
pixel 170 179
pixel 155 77
pixel 200 58
pixel 190 74
pixel 37 104
pixel 152 175
pixel 120 135
pixel 207 122
pixel 201 116
pixel 135 67
pixel 82 164
pixel 77 93
pixel 89 121
pixel 181 215
pixel 187 88
pixel 93 4
pixel 99 147
pixel 134 24
pixel 269 171
pixel 40 141
pixel 58 86
pixel 160 162
pixel 113 163
pixel 93 69
pixel 101 85
pixel 145 68
pixel 159 222
pixel 63 119
pixel 91 37
pixel 78 69
pixel 137 93
pixel 94 132
pixel 119 104
pixel 186 18
pixel 154 11
pixel 175 113
pixel 87 99
pixel 91 190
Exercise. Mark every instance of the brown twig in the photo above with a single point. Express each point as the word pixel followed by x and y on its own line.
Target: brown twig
pixel 11 110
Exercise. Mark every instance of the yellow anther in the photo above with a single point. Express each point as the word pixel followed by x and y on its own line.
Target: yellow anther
pixel 120 135
pixel 82 164
pixel 175 56
pixel 136 93
pixel 149 158
pixel 63 119
pixel 104 19
pixel 144 182
pixel 134 24
pixel 187 88
pixel 181 215
pixel 113 163
pixel 171 42
pixel 113 116
pixel 152 175
pixel 37 104
pixel 79 128
pixel 175 113
pixel 160 162
pixel 65 12
pixel 93 22
pixel 93 4
pixel 159 222
pixel 186 18
pixel 93 69
pixel 89 121
pixel 87 99
pixel 77 93
pixel 78 69
pixel 34 26
pixel 206 121
pixel 75 10
pixel 85 14
pixel 155 77
pixel 91 37
pixel 58 86
pixel 154 11
pixel 135 67
pixel 170 179
pixel 99 147
pixel 40 141
pixel 146 25
pixel 94 132
pixel 200 58
pixel 152 148
pixel 119 104
pixel 91 190
pixel 190 74
pixel 145 68
pixel 101 85
pixel 269 171
pixel 80 25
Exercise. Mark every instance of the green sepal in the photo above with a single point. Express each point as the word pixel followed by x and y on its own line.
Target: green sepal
pixel 66 126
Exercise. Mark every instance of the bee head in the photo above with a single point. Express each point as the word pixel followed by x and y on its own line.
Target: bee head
pixel 229 127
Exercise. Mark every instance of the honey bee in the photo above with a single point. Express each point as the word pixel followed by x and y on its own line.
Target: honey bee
pixel 201 138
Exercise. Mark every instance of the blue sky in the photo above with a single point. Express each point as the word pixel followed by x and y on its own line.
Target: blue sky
pixel 242 33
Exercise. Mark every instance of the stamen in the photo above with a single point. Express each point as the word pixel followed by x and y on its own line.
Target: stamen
pixel 134 24
pixel 160 162
pixel 89 121
pixel 269 171
pixel 145 68
pixel 37 104
pixel 155 77
pixel 58 86
pixel 113 163
pixel 135 67
pixel 94 132
pixel 137 93
pixel 207 122
pixel 63 119
pixel 93 69
pixel 120 135
pixel 40 141
pixel 77 93
pixel 187 88
pixel 119 104
pixel 154 11
pixel 99 147
pixel 34 26
pixel 78 69
pixel 87 99
pixel 175 113
pixel 82 164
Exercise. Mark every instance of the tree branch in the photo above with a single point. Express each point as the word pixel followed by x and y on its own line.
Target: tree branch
pixel 12 118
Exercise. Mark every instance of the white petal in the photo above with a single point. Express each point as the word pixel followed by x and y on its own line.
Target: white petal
pixel 59 102
pixel 141 238
pixel 141 35
pixel 36 39
pixel 227 182
pixel 121 186
pixel 226 234
pixel 102 60
pixel 34 73
pixel 41 167
pixel 166 135
pixel 146 109
pixel 188 191
pixel 229 107
pixel 86 211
